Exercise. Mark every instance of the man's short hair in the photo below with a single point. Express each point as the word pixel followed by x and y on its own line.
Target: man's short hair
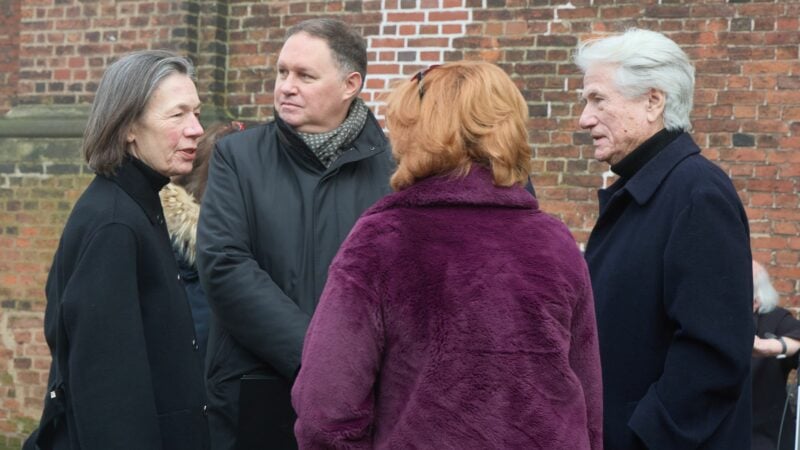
pixel 348 47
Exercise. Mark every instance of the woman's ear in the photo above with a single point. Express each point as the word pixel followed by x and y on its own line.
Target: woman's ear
pixel 656 101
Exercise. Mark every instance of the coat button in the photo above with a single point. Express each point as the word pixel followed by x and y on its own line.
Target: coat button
pixel 195 346
pixel 205 410
pixel 179 277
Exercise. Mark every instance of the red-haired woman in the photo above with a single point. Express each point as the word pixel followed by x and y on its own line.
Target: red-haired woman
pixel 456 314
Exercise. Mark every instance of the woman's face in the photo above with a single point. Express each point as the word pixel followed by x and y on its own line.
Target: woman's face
pixel 165 136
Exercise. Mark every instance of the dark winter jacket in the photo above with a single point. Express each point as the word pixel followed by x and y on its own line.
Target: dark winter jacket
pixel 272 219
pixel 182 211
pixel 126 368
pixel 456 315
pixel 671 273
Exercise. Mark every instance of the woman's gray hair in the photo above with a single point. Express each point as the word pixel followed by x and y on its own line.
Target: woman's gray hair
pixel 120 100
pixel 646 60
pixel 349 48
pixel 763 289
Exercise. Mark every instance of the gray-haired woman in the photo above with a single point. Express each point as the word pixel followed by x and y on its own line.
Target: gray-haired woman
pixel 126 373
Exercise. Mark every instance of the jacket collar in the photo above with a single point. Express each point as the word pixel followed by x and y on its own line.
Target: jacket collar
pixel 371 141
pixel 647 151
pixel 142 184
pixel 644 183
pixel 475 189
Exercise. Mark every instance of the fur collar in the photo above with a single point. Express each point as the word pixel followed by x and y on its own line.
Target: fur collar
pixel 182 212
pixel 476 188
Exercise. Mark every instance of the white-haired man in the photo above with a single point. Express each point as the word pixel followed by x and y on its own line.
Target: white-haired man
pixel 669 257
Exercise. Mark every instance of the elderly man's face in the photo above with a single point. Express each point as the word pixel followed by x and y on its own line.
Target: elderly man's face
pixel 311 93
pixel 617 124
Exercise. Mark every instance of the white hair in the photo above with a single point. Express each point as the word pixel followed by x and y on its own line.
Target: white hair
pixel 763 290
pixel 646 60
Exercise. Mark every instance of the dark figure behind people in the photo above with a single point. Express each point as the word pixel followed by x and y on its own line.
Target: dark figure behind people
pixel 125 372
pixel 181 202
pixel 775 349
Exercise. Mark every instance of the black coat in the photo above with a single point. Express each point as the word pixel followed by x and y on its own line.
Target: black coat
pixel 671 273
pixel 126 370
pixel 271 221
pixel 201 312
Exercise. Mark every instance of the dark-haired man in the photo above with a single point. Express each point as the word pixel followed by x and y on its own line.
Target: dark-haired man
pixel 280 200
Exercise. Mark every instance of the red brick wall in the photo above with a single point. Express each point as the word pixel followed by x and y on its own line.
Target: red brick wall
pixel 66 44
pixel 746 115
pixel 33 209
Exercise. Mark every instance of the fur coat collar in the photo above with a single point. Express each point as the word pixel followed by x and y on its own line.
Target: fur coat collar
pixel 181 211
pixel 476 188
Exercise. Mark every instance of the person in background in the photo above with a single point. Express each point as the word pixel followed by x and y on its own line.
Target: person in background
pixel 669 257
pixel 775 345
pixel 280 199
pixel 456 314
pixel 126 370
pixel 181 202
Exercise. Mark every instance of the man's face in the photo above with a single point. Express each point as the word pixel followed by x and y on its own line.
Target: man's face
pixel 165 136
pixel 617 124
pixel 311 93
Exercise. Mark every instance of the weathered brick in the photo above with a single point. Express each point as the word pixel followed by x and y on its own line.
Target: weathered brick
pixel 557 41
pixel 743 140
pixel 741 24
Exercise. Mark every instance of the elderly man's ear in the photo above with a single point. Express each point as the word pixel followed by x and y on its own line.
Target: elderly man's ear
pixel 655 105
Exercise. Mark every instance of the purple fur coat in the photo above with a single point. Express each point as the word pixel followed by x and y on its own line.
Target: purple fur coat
pixel 456 315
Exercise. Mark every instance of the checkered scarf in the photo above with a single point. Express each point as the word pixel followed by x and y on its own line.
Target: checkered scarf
pixel 330 145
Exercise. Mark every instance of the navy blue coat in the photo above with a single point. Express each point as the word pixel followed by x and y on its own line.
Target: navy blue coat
pixel 126 372
pixel 670 264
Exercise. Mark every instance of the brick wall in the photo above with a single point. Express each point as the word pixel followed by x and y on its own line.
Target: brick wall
pixel 33 207
pixel 52 53
pixel 40 179
pixel 9 51
pixel 66 45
